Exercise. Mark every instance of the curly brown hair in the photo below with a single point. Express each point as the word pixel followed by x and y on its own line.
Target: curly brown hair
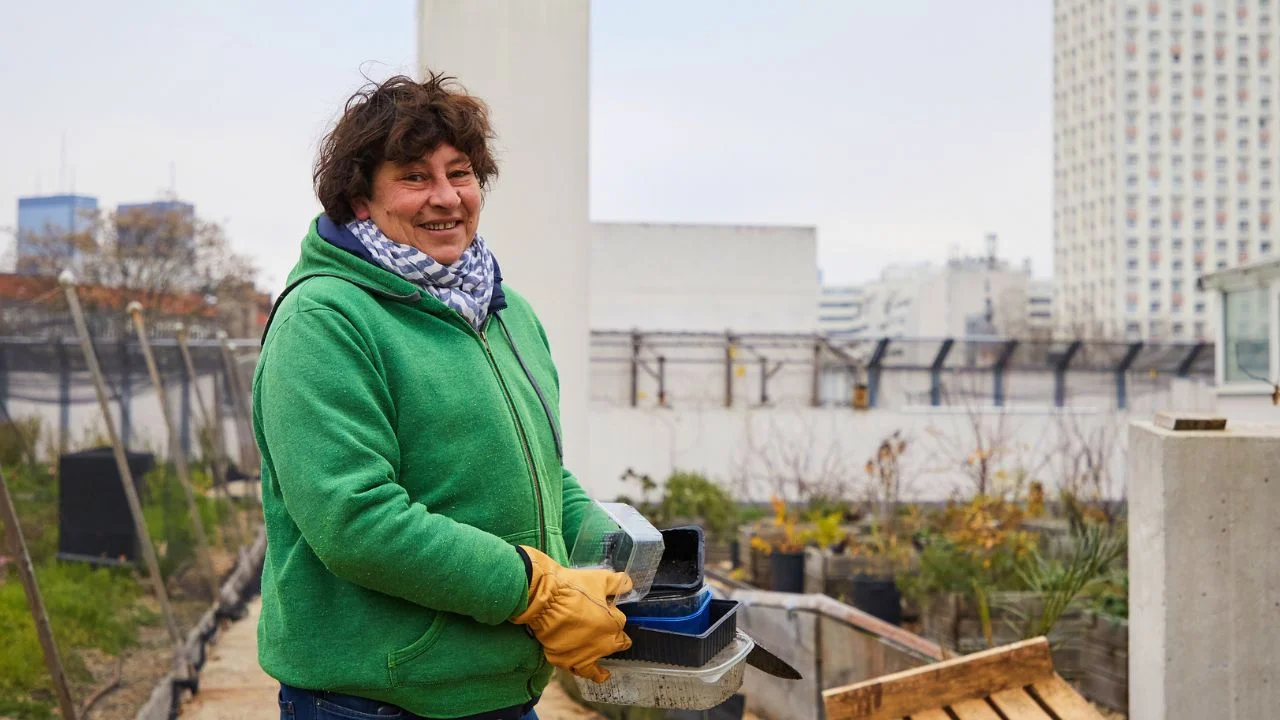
pixel 399 120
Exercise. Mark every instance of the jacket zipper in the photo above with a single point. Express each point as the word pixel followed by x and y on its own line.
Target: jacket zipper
pixel 533 474
pixel 524 441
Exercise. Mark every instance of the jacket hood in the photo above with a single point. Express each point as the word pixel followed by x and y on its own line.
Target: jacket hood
pixel 329 249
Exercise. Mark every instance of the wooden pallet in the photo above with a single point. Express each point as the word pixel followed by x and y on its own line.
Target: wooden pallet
pixel 1014 682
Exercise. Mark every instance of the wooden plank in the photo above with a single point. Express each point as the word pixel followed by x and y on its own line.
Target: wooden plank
pixel 943 683
pixel 975 710
pixel 1016 704
pixel 1065 702
pixel 1181 421
pixel 934 714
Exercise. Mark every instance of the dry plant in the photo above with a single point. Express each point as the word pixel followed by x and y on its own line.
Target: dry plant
pixel 792 460
pixel 1084 459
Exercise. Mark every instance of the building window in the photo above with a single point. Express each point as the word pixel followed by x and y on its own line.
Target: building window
pixel 1245 323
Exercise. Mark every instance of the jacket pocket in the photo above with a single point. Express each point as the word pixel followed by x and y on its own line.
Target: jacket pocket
pixel 421 645
pixel 456 647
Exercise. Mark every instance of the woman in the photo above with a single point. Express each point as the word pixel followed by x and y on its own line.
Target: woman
pixel 405 404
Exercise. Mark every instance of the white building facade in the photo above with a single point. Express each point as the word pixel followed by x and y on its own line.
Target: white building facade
pixel 1165 162
pixel 660 277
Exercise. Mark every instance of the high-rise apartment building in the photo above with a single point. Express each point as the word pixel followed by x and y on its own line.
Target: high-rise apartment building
pixel 1165 161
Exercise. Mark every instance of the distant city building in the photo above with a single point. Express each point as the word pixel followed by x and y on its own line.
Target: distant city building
pixel 47 228
pixel 154 223
pixel 842 311
pixel 966 297
pixel 1040 307
pixel 1165 165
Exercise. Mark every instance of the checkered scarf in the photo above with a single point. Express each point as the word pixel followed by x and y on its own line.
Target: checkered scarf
pixel 465 286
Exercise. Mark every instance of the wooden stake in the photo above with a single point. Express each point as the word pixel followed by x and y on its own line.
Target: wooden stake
pixel 67 279
pixel 18 545
pixel 175 450
pixel 215 427
pixel 244 424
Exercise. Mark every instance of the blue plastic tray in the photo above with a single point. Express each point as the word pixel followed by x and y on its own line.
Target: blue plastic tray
pixel 665 607
pixel 693 623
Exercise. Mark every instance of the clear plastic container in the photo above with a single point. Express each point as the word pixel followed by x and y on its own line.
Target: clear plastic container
pixel 615 536
pixel 648 684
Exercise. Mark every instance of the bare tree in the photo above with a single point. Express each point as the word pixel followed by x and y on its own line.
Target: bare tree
pixel 177 265
pixel 983 444
pixel 794 461
pixel 1084 458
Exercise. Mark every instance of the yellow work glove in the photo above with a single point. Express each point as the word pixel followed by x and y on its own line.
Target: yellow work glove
pixel 571 612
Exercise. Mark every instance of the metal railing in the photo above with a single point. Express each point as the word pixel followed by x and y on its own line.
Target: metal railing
pixel 946 371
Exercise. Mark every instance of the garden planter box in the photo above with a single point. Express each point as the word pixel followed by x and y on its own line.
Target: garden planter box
pixel 1089 649
pixel 953 621
pixel 1104 659
pixel 755 563
pixel 829 573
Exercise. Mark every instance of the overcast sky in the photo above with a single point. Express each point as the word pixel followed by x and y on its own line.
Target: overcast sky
pixel 900 129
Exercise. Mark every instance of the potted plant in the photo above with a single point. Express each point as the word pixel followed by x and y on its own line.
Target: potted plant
pixel 786 554
pixel 874 588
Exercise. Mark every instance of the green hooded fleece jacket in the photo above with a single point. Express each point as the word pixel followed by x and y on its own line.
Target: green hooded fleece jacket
pixel 404 455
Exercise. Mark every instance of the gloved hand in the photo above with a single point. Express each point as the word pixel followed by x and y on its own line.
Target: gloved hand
pixel 571 613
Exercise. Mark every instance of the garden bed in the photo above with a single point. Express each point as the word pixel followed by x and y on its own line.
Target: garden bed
pixel 106 621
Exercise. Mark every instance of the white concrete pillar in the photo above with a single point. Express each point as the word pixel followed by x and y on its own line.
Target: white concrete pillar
pixel 528 60
pixel 1204 573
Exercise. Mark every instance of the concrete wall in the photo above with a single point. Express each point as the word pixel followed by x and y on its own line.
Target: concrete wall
pixel 757 452
pixel 1248 407
pixel 704 277
pixel 528 61
pixel 1204 576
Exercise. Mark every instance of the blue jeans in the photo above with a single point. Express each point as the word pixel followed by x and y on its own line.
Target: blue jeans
pixel 298 704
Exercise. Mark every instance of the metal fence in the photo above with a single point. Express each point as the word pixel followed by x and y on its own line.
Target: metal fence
pixel 48 378
pixel 683 368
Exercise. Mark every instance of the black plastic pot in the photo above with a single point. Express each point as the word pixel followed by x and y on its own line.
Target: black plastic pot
pixel 877 595
pixel 680 569
pixel 787 571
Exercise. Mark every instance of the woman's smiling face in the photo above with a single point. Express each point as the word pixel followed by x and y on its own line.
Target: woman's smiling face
pixel 432 204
